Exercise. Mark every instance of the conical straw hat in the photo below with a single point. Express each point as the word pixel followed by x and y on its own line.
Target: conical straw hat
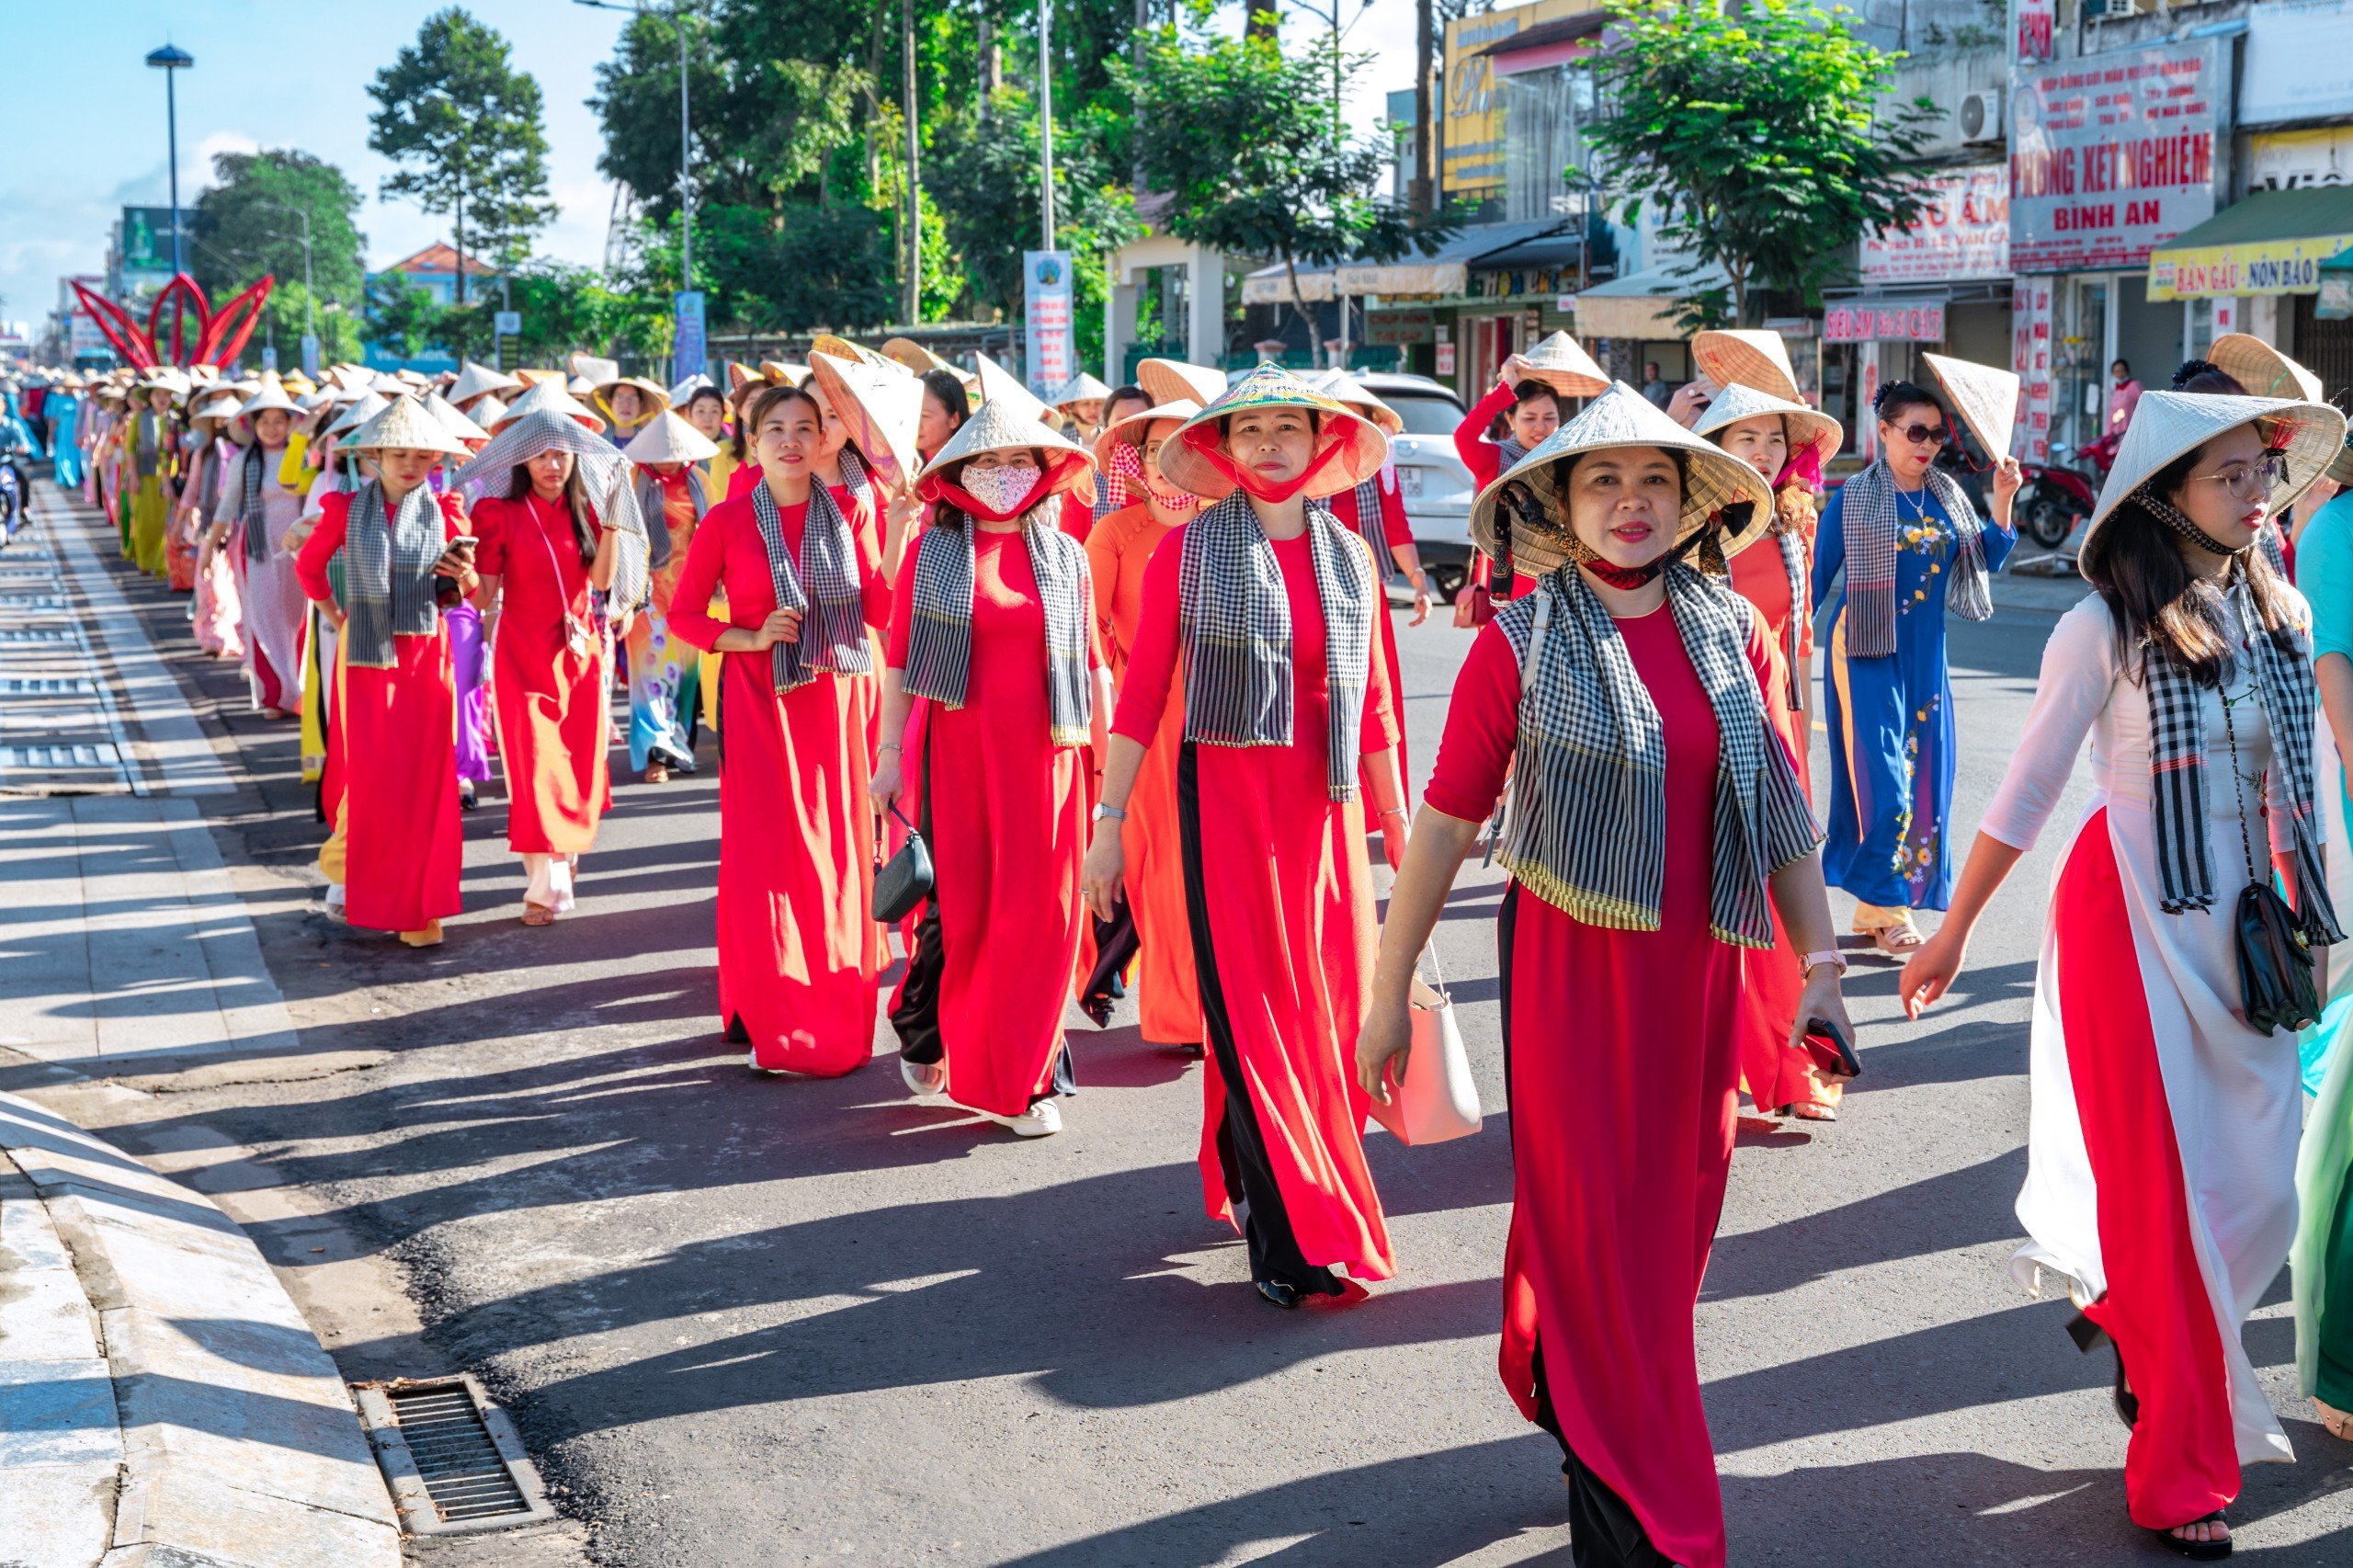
pixel 1081 388
pixel 489 411
pixel 595 371
pixel 1271 386
pixel 1346 388
pixel 684 392
pixel 1561 363
pixel 777 373
pixel 474 380
pixel 272 396
pixel 670 439
pixel 367 407
pixel 459 424
pixel 405 425
pixel 915 356
pixel 2167 424
pixel 656 398
pixel 533 377
pixel 580 387
pixel 1000 385
pixel 552 395
pixel 219 408
pixel 1986 398
pixel 843 348
pixel 881 404
pixel 1806 427
pixel 1170 380
pixel 1135 427
pixel 1743 357
pixel 1713 479
pixel 997 426
pixel 2262 370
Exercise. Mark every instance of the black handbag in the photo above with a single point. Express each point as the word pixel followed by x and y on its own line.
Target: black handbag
pixel 2276 987
pixel 904 879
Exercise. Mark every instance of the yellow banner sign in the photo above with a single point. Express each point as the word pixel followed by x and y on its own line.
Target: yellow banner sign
pixel 2250 267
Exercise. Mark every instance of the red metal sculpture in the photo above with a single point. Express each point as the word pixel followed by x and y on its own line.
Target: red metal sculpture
pixel 218 335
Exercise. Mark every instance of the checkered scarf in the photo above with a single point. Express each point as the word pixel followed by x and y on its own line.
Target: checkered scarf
pixel 1369 515
pixel 1874 523
pixel 1587 831
pixel 1235 616
pixel 832 629
pixel 254 479
pixel 1793 635
pixel 1124 469
pixel 2283 681
pixel 388 573
pixel 940 639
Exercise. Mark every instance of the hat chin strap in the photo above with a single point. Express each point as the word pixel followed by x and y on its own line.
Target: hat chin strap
pixel 1204 441
pixel 2179 521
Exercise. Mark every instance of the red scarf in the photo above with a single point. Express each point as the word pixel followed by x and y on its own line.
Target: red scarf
pixel 1204 440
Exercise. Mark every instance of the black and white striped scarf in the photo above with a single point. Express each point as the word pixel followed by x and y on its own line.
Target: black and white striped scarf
pixel 1235 615
pixel 2177 762
pixel 254 480
pixel 1587 829
pixel 388 573
pixel 940 639
pixel 1368 523
pixel 1873 520
pixel 653 504
pixel 826 587
pixel 1793 634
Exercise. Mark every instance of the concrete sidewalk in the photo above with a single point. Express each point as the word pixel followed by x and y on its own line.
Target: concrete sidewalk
pixel 162 1400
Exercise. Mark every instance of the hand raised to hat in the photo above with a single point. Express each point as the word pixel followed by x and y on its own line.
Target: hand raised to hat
pixel 2008 476
pixel 1514 369
pixel 1692 400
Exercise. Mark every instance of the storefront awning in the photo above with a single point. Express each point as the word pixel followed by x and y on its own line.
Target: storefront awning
pixel 1645 305
pixel 2272 242
pixel 1271 285
pixel 1445 271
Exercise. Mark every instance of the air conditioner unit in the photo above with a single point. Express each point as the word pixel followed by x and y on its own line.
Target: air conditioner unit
pixel 1980 119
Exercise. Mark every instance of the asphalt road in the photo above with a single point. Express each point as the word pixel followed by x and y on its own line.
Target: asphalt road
pixel 755 1321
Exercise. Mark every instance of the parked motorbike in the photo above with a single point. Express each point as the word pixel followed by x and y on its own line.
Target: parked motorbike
pixel 2060 494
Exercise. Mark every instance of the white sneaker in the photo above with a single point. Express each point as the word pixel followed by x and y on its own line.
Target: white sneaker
pixel 923 1079
pixel 1041 1120
pixel 751 1060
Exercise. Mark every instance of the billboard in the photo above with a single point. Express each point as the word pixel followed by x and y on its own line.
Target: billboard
pixel 2031 330
pixel 2112 154
pixel 1470 111
pixel 147 240
pixel 1964 233
pixel 2299 62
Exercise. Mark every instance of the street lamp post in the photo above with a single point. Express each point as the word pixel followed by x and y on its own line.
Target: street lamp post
pixel 685 144
pixel 1046 123
pixel 168 60
pixel 310 294
pixel 1331 18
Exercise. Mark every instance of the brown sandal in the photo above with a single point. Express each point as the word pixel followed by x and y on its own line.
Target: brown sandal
pixel 656 773
pixel 537 914
pixel 2339 1424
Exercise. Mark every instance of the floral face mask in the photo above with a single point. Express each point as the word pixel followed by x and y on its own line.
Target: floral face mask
pixel 1001 490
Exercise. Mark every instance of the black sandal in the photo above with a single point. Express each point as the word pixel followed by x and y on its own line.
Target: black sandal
pixel 1278 1293
pixel 2196 1550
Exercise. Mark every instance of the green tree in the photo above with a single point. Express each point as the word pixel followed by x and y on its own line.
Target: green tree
pixel 465 126
pixel 986 185
pixel 1751 134
pixel 404 318
pixel 251 223
pixel 1243 141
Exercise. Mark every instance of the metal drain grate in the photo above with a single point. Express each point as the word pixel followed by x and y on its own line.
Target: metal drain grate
pixel 46 686
pixel 21 634
pixel 451 1458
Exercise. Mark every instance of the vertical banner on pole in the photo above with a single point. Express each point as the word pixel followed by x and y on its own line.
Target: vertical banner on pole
pixel 2031 357
pixel 691 351
pixel 1053 356
pixel 310 355
pixel 504 324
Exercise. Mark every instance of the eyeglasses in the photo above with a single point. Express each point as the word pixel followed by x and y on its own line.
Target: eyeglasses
pixel 2251 482
pixel 1924 435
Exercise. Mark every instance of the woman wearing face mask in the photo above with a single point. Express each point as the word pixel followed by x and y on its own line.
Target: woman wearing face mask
pixel 1911 546
pixel 1654 826
pixel 558 528
pixel 255 515
pixel 396 707
pixel 992 628
pixel 2162 1152
pixel 780 586
pixel 1786 443
pixel 1118 466
pixel 1120 551
pixel 1267 604
pixel 671 498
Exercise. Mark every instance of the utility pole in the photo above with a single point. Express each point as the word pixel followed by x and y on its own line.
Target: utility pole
pixel 171 61
pixel 685 161
pixel 1046 122
pixel 912 303
pixel 1418 193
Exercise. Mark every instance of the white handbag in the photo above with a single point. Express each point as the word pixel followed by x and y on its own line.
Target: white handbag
pixel 1438 1100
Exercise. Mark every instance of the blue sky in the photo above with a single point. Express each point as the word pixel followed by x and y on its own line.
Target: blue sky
pixel 89 118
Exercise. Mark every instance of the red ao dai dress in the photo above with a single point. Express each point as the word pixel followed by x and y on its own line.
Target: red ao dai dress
pixel 799 953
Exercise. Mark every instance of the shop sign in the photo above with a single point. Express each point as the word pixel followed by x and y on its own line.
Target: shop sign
pixel 2300 160
pixel 2031 357
pixel 1445 359
pixel 2252 266
pixel 2335 302
pixel 1871 321
pixel 1963 234
pixel 2298 63
pixel 1051 359
pixel 2038 21
pixel 1396 328
pixel 2111 154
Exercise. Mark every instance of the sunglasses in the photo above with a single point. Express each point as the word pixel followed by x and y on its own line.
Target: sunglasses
pixel 1924 435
